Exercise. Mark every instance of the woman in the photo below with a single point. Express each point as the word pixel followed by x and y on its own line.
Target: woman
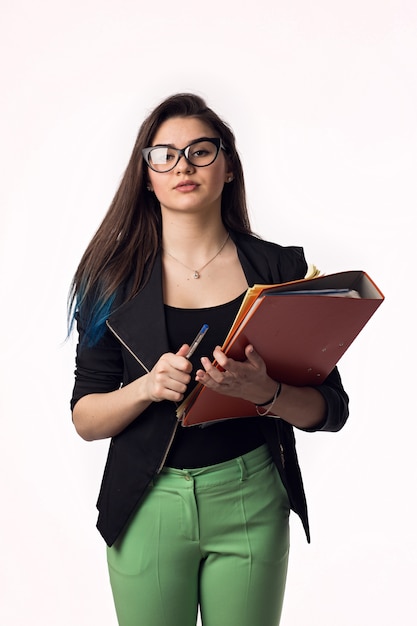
pixel 194 518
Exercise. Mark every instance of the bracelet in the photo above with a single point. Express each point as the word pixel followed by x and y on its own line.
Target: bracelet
pixel 270 403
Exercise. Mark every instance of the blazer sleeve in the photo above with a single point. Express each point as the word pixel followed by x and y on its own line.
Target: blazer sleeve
pixel 98 369
pixel 337 403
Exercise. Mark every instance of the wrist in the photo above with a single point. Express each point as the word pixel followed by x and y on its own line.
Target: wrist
pixel 269 401
pixel 264 408
pixel 264 393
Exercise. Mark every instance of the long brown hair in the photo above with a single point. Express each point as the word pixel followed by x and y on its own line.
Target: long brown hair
pixel 128 239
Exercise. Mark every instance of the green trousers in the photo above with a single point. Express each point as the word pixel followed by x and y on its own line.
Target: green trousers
pixel 214 539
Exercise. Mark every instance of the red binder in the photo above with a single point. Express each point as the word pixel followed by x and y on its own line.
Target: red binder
pixel 301 329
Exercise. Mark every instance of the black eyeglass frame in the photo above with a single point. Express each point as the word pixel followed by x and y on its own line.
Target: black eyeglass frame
pixel 184 153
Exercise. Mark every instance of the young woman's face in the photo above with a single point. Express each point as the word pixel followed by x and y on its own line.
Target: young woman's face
pixel 187 187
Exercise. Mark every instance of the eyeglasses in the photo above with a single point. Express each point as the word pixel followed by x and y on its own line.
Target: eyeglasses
pixel 201 153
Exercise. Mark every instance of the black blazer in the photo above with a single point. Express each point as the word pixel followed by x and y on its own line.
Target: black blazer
pixel 134 340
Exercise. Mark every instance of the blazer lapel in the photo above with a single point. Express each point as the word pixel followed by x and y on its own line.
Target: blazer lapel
pixel 254 265
pixel 140 323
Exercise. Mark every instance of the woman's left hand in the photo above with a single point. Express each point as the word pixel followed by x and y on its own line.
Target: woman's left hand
pixel 243 379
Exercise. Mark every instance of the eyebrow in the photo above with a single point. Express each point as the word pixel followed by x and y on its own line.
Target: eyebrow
pixel 171 145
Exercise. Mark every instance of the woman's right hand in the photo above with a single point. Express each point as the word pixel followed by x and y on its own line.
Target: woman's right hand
pixel 169 377
pixel 102 415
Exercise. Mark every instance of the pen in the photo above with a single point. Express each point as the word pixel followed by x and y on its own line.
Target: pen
pixel 197 340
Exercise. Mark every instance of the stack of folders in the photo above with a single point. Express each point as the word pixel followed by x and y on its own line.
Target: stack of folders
pixel 301 329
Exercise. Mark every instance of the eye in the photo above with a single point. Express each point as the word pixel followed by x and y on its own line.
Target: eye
pixel 201 152
pixel 204 151
pixel 161 155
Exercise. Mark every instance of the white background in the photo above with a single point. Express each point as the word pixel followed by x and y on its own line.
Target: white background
pixel 322 97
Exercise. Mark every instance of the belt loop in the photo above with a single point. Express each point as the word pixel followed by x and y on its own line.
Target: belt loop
pixel 242 467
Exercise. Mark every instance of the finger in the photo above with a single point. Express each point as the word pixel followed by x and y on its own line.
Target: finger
pixel 223 361
pixel 172 376
pixel 183 364
pixel 204 378
pixel 165 388
pixel 201 376
pixel 253 357
pixel 183 350
pixel 212 371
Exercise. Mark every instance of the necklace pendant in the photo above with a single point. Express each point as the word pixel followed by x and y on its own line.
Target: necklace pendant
pixel 196 274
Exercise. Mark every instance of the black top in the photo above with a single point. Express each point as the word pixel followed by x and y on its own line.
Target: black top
pixel 201 446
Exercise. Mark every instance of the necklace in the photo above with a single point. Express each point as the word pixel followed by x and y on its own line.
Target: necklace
pixel 196 273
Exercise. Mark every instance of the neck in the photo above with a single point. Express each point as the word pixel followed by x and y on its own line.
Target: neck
pixel 193 238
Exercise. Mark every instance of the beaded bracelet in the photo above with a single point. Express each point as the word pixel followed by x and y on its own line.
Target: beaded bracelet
pixel 270 403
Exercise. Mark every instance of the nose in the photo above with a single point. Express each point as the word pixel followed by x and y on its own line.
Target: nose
pixel 183 165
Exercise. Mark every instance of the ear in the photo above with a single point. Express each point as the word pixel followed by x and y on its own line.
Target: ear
pixel 228 176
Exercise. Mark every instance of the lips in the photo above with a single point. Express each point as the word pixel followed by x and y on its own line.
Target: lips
pixel 186 185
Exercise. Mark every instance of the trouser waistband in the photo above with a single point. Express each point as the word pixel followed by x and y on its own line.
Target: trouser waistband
pixel 239 468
